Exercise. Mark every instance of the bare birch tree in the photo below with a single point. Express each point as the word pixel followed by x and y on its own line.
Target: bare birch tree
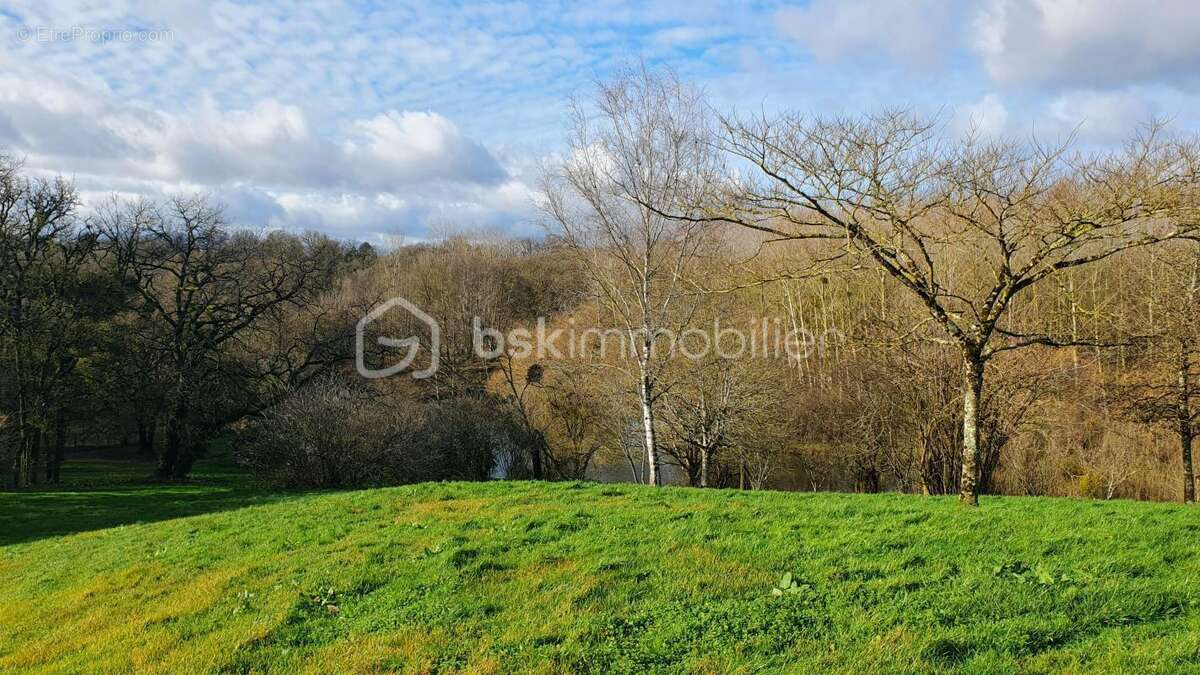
pixel 641 150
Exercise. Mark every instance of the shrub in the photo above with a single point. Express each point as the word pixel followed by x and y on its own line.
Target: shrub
pixel 338 432
pixel 334 433
pixel 472 438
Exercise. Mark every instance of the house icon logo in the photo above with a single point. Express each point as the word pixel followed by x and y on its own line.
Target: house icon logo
pixel 412 343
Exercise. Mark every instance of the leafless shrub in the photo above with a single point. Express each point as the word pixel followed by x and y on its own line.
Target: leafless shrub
pixel 335 433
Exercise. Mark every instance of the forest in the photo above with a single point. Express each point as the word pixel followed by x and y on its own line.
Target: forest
pixel 965 315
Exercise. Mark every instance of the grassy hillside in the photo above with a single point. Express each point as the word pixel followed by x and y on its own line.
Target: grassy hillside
pixel 550 577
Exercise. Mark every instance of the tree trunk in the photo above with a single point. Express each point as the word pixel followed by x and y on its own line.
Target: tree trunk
pixel 175 446
pixel 187 457
pixel 535 455
pixel 24 459
pixel 38 456
pixel 166 463
pixel 648 431
pixel 972 389
pixel 1189 476
pixel 24 464
pixel 54 468
pixel 704 453
pixel 1185 427
pixel 145 430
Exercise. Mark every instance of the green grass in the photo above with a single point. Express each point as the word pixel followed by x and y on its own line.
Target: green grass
pixel 108 487
pixel 502 577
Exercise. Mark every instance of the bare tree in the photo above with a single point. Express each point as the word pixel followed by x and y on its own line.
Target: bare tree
pixel 1165 390
pixel 43 247
pixel 642 150
pixel 517 386
pixel 575 424
pixel 718 403
pixel 698 413
pixel 202 287
pixel 965 226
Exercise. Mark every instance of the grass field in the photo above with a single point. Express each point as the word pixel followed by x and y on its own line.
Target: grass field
pixel 502 577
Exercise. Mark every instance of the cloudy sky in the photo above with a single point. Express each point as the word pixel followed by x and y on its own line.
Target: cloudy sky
pixel 371 120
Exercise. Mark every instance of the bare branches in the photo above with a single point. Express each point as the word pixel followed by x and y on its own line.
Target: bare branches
pixel 1021 340
pixel 965 226
pixel 200 286
pixel 630 202
pixel 896 191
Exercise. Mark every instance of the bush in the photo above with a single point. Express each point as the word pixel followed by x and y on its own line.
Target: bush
pixel 334 433
pixel 472 438
pixel 337 433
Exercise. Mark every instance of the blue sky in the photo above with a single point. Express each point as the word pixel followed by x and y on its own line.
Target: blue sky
pixel 409 119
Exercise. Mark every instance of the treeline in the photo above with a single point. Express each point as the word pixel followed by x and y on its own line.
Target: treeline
pixel 857 304
pixel 153 320
pixel 157 324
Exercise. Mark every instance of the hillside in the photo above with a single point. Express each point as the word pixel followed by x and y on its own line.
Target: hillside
pixel 498 577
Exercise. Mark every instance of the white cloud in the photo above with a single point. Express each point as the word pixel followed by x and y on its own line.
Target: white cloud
pixel 1102 117
pixel 987 116
pixel 60 116
pixel 916 33
pixel 390 116
pixel 379 216
pixel 267 163
pixel 268 142
pixel 314 112
pixel 407 147
pixel 249 204
pixel 1089 43
pixel 687 36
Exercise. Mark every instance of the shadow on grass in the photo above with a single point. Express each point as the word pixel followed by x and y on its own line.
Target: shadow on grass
pixel 101 490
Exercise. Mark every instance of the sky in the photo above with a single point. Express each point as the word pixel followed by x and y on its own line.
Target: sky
pixel 401 121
